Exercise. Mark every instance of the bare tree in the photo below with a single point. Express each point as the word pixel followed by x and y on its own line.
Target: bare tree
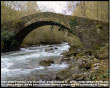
pixel 97 11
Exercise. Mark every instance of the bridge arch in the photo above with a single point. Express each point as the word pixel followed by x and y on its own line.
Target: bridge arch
pixel 19 37
pixel 23 26
pixel 86 28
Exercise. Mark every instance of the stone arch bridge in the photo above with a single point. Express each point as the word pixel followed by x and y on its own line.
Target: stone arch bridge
pixel 26 24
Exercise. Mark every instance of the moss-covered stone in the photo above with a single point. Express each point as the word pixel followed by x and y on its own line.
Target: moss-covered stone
pixel 79 55
pixel 46 62
pixel 102 53
pixel 73 51
pixel 78 77
pixel 88 52
pixel 99 26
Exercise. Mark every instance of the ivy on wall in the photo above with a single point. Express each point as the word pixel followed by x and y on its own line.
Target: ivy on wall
pixel 73 23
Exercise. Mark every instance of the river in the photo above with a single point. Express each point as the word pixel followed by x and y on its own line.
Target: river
pixel 24 64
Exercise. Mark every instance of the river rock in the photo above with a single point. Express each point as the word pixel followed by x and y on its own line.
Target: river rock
pixel 77 77
pixel 48 49
pixel 72 57
pixel 55 48
pixel 58 61
pixel 96 64
pixel 46 62
pixel 31 48
pixel 95 60
pixel 102 53
pixel 84 64
pixel 88 52
pixel 97 67
pixel 65 59
pixel 78 50
pixel 50 46
pixel 33 45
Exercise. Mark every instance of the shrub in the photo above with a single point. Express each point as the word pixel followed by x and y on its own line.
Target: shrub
pixel 7 38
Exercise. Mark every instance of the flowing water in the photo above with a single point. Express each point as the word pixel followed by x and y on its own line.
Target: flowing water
pixel 24 64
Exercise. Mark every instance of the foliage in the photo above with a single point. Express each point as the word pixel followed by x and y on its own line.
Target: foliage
pixel 93 10
pixel 7 13
pixel 102 52
pixel 14 43
pixel 7 36
pixel 7 40
pixel 11 10
pixel 73 23
pixel 31 8
pixel 61 28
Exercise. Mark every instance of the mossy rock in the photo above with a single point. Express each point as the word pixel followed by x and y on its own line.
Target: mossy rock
pixel 99 26
pixel 85 65
pixel 101 56
pixel 72 52
pixel 88 52
pixel 98 46
pixel 69 54
pixel 78 77
pixel 65 59
pixel 46 62
pixel 102 53
pixel 65 74
pixel 80 55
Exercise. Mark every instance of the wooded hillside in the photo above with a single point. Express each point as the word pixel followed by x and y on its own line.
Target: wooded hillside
pixel 97 10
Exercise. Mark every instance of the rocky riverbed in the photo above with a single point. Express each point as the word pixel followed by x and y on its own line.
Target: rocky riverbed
pixel 72 65
pixel 85 64
pixel 27 64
